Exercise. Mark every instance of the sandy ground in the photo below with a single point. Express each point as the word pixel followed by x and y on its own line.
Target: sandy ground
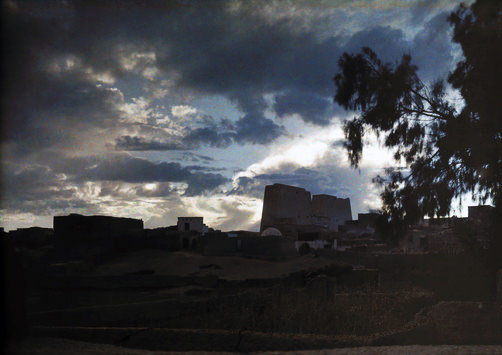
pixel 48 346
pixel 184 263
pixel 63 346
pixel 408 349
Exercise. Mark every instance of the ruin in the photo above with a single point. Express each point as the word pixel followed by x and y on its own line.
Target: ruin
pixel 77 226
pixel 292 210
pixel 94 238
pixel 333 210
pixel 192 224
pixel 480 213
pixel 32 237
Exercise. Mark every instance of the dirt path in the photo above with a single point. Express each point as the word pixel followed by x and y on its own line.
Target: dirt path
pixel 403 350
pixel 46 346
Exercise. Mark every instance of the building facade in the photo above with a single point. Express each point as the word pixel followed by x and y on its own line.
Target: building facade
pixel 293 210
pixel 192 224
pixel 76 226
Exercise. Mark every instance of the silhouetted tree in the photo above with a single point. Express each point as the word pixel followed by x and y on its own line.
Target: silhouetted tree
pixel 444 152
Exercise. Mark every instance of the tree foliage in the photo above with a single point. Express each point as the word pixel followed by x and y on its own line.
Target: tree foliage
pixel 444 152
pixel 479 78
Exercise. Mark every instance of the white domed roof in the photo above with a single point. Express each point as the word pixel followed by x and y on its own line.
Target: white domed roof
pixel 271 232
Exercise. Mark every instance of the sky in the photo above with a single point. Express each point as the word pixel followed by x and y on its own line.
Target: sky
pixel 161 109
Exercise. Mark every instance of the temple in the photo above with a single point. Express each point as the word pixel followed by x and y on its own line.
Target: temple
pixel 292 210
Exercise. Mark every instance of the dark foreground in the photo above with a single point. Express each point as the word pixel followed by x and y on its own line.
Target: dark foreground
pixel 150 301
pixel 51 346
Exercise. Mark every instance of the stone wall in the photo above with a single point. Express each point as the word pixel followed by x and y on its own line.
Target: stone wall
pixel 95 238
pixel 290 208
pixel 283 204
pixel 76 226
pixel 337 210
pixel 189 224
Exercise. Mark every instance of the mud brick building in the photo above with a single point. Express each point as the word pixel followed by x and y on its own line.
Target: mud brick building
pixel 292 210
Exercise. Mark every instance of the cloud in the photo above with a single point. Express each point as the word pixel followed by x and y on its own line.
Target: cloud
pixel 236 50
pixel 243 59
pixel 311 107
pixel 211 136
pixel 38 190
pixel 326 177
pixel 189 156
pixel 85 82
pixel 257 129
pixel 183 110
pixel 139 143
pixel 50 96
pixel 78 183
pixel 128 191
pixel 432 49
pixel 33 183
pixel 317 163
pixel 237 215
pixel 248 186
pixel 137 170
pixel 206 132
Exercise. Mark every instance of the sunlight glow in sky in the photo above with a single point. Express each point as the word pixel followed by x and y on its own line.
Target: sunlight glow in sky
pixel 160 112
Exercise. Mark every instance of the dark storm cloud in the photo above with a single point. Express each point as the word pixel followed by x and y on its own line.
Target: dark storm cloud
pixel 246 130
pixel 210 136
pixel 257 129
pixel 199 183
pixel 137 143
pixel 313 108
pixel 218 133
pixel 215 51
pixel 431 49
pixel 43 189
pixel 136 170
pixel 243 58
pixel 252 128
pixel 38 190
pixel 388 43
pixel 133 170
pixel 57 60
pixel 42 103
pixel 33 183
